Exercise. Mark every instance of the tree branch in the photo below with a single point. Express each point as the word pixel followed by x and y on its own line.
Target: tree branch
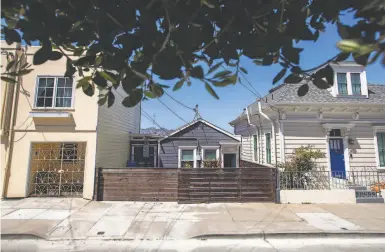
pixel 219 34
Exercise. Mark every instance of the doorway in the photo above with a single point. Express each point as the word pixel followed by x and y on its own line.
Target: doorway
pixel 337 159
pixel 230 160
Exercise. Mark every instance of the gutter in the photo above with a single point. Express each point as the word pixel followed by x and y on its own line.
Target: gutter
pixel 272 130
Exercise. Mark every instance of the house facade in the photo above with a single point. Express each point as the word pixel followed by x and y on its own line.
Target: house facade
pixel 346 122
pixel 199 144
pixel 53 135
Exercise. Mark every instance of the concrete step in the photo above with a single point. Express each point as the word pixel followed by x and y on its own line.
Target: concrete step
pixel 365 194
pixel 358 188
pixel 370 200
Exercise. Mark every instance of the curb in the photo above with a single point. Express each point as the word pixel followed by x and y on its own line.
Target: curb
pixel 293 235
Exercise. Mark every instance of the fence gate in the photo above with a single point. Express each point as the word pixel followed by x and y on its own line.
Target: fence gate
pixel 57 169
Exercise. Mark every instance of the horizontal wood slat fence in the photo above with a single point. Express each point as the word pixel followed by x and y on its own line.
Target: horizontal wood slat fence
pixel 201 185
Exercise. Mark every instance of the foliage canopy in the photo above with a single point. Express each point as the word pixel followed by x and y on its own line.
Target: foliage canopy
pixel 129 42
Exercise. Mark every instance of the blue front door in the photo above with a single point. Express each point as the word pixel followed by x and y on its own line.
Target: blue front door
pixel 337 161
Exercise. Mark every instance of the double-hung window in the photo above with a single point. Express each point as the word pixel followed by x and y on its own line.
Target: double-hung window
pixel 54 92
pixel 187 158
pixel 356 83
pixel 342 84
pixel 381 148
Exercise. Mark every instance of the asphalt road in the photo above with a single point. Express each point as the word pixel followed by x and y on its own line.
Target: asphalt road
pixel 210 245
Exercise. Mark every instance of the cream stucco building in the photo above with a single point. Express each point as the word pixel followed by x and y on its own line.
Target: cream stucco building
pixel 346 122
pixel 53 135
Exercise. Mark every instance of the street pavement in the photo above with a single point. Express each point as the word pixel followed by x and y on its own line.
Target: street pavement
pixel 66 219
pixel 193 245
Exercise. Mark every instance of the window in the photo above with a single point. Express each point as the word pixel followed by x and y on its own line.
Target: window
pixel 187 158
pixel 268 148
pixel 356 83
pixel 54 92
pixel 255 147
pixel 381 148
pixel 335 133
pixel 342 84
pixel 210 155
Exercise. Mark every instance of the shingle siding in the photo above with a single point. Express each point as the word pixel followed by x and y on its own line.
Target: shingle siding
pixel 113 131
pixel 205 135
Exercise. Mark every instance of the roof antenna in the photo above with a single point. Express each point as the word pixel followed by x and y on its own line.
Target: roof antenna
pixel 197 115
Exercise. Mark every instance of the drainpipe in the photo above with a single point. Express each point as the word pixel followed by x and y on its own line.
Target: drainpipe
pixel 22 55
pixel 272 130
pixel 253 125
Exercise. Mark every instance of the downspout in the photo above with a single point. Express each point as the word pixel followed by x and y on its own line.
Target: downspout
pixel 250 136
pixel 22 55
pixel 272 130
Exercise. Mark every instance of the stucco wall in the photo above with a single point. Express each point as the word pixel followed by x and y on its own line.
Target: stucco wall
pixel 19 173
pixel 318 196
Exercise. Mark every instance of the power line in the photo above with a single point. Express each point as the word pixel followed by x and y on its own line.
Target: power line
pixel 178 101
pixel 172 111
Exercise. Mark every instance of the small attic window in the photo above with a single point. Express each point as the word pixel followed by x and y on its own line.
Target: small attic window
pixel 342 84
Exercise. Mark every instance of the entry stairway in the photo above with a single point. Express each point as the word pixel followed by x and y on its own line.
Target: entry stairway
pixel 365 195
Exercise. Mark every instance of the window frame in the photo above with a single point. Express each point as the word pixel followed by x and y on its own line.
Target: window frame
pixel 351 83
pixel 56 78
pixel 270 148
pixel 181 148
pixel 255 147
pixel 204 148
pixel 346 83
pixel 376 144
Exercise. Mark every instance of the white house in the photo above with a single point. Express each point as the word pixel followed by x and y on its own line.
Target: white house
pixel 346 122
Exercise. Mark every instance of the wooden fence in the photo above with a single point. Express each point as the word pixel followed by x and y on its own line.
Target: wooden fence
pixel 132 184
pixel 186 185
pixel 226 185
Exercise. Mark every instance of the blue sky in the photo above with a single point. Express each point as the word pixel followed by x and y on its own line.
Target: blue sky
pixel 234 98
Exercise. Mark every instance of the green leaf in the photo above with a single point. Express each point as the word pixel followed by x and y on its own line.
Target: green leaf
pixel 84 82
pixel 156 89
pixel 342 56
pixel 348 45
pixel 267 60
pixel 111 98
pixel 361 59
pixel 211 90
pixel 279 76
pixel 215 67
pixel 243 70
pixel 11 36
pixel 207 3
pixel 89 89
pixel 99 80
pixel 7 79
pixel 343 30
pixel 131 81
pixel 42 55
pixel 102 100
pixel 134 98
pixel 149 94
pixel 21 72
pixel 292 53
pixel 293 78
pixel 10 65
pixel 222 74
pixel 303 90
pixel 179 84
pixel 327 73
pixel 258 62
pixel 197 72
pixel 55 55
pixel 108 77
pixel 321 83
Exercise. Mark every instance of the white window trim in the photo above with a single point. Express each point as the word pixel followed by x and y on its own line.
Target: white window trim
pixel 180 148
pixel 271 147
pixel 210 148
pixel 377 129
pixel 255 157
pixel 54 93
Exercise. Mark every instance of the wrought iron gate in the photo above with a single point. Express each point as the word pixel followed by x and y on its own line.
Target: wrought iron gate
pixel 57 169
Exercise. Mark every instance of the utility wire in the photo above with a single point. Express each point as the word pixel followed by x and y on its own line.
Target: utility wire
pixel 178 101
pixel 172 111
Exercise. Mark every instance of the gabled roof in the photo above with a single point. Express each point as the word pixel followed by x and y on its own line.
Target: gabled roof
pixel 204 122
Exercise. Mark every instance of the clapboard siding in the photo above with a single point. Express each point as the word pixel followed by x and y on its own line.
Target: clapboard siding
pixel 198 132
pixel 363 149
pixel 300 134
pixel 113 131
pixel 246 132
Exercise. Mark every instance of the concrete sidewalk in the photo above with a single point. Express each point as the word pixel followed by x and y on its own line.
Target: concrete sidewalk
pixel 64 218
